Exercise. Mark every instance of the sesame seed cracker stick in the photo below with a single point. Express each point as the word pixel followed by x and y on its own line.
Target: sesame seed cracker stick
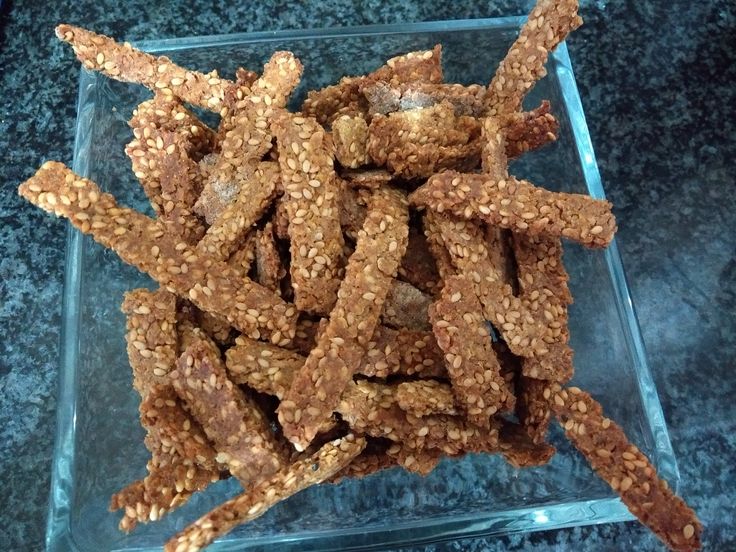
pixel 403 352
pixel 230 228
pixel 474 370
pixel 124 63
pixel 520 206
pixel 151 336
pixel 383 98
pixel 548 24
pixel 418 266
pixel 350 135
pixel 625 468
pixel 162 490
pixel 373 408
pixel 312 194
pixel 236 426
pixel 421 461
pixel 420 142
pixel 366 178
pixel 346 97
pixel 425 397
pixel 246 135
pixel 269 268
pixel 530 130
pixel 144 243
pixel 363 465
pixel 330 366
pixel 533 408
pixel 303 473
pixel 543 280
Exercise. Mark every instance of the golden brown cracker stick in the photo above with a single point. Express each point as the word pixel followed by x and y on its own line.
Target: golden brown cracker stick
pixel 215 327
pixel 520 451
pixel 474 370
pixel 346 97
pixel 520 206
pixel 425 397
pixel 548 24
pixel 366 178
pixel 246 137
pixel 151 336
pixel 228 230
pixel 406 307
pixel 418 266
pixel 161 491
pixel 281 219
pixel 421 461
pixel 312 195
pixel 162 160
pixel 530 130
pixel 436 245
pixel 144 243
pixel 543 280
pixel 420 142
pixel 162 415
pixel 402 352
pixel 237 428
pixel 324 464
pixel 383 98
pixel 493 157
pixel 352 211
pixel 269 268
pixel 373 408
pixel 124 63
pixel 533 408
pixel 625 468
pixel 365 464
pixel 350 136
pixel 340 347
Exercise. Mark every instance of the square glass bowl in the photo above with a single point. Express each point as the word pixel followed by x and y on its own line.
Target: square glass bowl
pixel 99 442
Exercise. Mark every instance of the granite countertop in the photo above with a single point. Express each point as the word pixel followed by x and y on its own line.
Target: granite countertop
pixel 658 84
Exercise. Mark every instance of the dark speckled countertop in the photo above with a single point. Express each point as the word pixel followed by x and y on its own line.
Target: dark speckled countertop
pixel 658 84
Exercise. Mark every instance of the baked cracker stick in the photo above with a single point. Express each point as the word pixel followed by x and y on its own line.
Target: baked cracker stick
pixel 406 307
pixel 421 461
pixel 530 130
pixel 474 371
pixel 519 206
pixel 228 231
pixel 350 136
pixel 425 397
pixel 271 369
pixel 304 473
pixel 244 256
pixel 366 178
pixel 418 266
pixel 373 409
pixel 237 428
pixel 346 97
pixel 124 63
pixel 312 194
pixel 352 211
pixel 363 465
pixel 465 242
pixel 144 243
pixel 163 416
pixel 161 491
pixel 436 245
pixel 548 24
pixel 269 269
pixel 246 137
pixel 151 336
pixel 168 142
pixel 384 98
pixel 403 352
pixel 420 142
pixel 520 451
pixel 543 280
pixel 625 468
pixel 215 327
pixel 533 409
pixel 330 366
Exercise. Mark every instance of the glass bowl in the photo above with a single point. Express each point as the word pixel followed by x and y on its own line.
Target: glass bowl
pixel 99 442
